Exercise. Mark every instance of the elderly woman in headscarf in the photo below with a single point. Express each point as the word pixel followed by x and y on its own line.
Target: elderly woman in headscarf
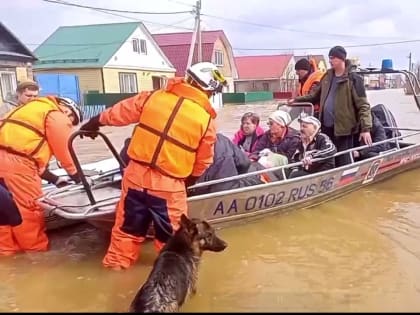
pixel 279 139
pixel 276 146
pixel 313 145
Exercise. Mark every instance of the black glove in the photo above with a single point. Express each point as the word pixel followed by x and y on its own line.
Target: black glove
pixel 61 182
pixel 76 178
pixel 54 179
pixel 92 126
pixel 190 180
pixel 49 177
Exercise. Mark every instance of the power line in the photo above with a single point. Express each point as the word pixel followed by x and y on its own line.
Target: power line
pixel 174 25
pixel 286 29
pixel 144 21
pixel 181 3
pixel 111 10
pixel 328 47
pixel 131 18
pixel 255 49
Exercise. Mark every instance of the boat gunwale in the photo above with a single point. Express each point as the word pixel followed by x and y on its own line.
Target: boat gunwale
pixel 94 211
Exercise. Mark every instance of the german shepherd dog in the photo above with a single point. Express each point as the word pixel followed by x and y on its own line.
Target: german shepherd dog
pixel 175 271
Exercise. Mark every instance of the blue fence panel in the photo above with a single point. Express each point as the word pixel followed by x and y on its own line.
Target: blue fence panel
pixel 92 110
pixel 65 85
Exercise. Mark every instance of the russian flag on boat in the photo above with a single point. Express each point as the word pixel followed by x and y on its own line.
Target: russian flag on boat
pixel 348 175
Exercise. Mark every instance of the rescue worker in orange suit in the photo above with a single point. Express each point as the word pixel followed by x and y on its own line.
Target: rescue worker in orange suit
pixel 171 146
pixel 29 136
pixel 309 78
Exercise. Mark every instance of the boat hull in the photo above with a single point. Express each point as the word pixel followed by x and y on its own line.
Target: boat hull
pixel 245 204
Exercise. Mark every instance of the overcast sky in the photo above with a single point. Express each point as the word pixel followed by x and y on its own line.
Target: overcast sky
pixel 287 25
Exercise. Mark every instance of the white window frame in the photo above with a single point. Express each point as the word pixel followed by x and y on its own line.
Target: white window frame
pixel 218 57
pixel 8 89
pixel 128 82
pixel 139 46
pixel 136 45
pixel 143 46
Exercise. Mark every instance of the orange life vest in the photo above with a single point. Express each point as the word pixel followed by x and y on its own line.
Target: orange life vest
pixel 314 77
pixel 22 131
pixel 169 132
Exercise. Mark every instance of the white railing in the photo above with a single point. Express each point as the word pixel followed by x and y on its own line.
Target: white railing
pixel 297 164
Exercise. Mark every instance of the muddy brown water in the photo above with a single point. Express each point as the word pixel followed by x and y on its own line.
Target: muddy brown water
pixel 357 253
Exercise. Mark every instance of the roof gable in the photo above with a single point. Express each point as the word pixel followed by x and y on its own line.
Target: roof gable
pixel 83 45
pixel 261 67
pixel 184 38
pixel 176 47
pixel 178 56
pixel 12 47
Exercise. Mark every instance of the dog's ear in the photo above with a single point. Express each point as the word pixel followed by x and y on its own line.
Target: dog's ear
pixel 206 225
pixel 186 223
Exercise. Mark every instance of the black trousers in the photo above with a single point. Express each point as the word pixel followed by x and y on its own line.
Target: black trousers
pixel 342 143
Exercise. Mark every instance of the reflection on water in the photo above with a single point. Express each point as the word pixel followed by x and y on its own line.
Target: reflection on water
pixel 358 253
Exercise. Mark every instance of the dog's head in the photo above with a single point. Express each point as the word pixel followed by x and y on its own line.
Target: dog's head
pixel 202 235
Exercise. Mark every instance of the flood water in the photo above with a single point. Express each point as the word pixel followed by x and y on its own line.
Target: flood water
pixel 357 253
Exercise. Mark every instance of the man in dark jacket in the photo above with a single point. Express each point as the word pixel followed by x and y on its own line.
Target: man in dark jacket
pixel 378 134
pixel 229 160
pixel 313 145
pixel 344 109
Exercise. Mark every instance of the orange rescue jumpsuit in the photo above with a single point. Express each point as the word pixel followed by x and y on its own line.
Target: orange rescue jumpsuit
pixel 29 135
pixel 174 139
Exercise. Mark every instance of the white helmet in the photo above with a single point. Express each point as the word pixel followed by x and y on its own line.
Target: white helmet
pixel 281 117
pixel 207 76
pixel 68 102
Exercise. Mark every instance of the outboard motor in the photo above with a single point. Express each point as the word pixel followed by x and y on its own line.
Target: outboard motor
pixel 387 119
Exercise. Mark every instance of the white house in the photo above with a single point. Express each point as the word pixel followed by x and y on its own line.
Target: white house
pixel 107 58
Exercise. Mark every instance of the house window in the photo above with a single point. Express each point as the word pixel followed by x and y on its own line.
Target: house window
pixel 139 46
pixel 7 83
pixel 136 45
pixel 266 86
pixel 128 82
pixel 218 58
pixel 143 46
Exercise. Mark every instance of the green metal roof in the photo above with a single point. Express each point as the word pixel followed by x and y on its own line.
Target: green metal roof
pixel 82 46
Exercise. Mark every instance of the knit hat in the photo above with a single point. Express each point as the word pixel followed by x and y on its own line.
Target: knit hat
pixel 303 64
pixel 338 52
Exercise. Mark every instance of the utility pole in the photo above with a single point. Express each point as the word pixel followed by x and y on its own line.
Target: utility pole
pixel 409 62
pixel 196 11
pixel 198 18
